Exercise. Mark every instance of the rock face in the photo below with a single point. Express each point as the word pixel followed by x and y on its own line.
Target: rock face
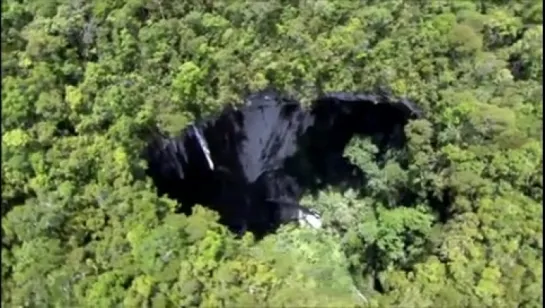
pixel 253 164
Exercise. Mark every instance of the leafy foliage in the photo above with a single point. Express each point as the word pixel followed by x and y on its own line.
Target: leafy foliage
pixel 454 220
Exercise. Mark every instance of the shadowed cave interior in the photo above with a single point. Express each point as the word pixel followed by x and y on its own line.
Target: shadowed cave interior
pixel 252 164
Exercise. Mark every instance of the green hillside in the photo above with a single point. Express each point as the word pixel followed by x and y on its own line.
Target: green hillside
pixel 453 220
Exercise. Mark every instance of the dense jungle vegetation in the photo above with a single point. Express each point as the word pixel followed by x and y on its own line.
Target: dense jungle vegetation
pixel 453 220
